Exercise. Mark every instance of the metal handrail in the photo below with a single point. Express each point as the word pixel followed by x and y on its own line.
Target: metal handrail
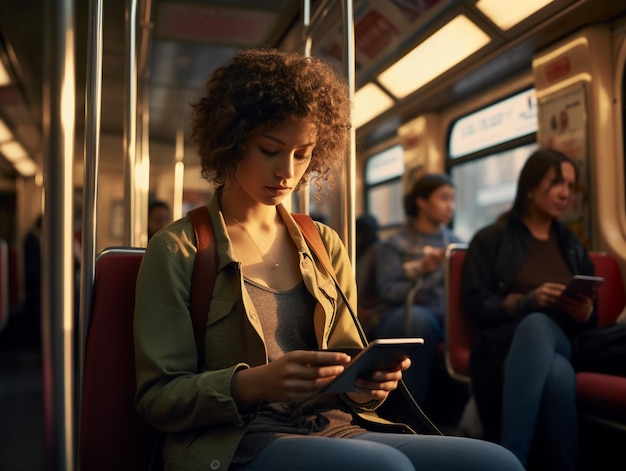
pixel 349 175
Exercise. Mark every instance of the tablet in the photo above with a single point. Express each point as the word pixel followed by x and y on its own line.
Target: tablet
pixel 583 284
pixel 380 354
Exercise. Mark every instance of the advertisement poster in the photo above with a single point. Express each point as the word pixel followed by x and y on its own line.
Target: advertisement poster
pixel 381 26
pixel 563 127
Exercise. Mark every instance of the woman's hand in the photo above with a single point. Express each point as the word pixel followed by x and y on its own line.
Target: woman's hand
pixel 511 303
pixel 296 375
pixel 580 307
pixel 431 259
pixel 547 293
pixel 380 384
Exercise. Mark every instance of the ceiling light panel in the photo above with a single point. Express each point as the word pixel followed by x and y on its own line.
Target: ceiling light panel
pixel 5 132
pixel 507 14
pixel 13 151
pixel 5 78
pixel 453 43
pixel 369 101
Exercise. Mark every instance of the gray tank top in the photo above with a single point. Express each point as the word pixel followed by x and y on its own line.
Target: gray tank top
pixel 286 318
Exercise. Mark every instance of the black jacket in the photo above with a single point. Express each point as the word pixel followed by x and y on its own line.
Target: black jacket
pixel 494 258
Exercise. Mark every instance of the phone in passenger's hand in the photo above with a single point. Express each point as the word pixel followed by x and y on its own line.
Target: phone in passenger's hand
pixel 582 284
pixel 379 355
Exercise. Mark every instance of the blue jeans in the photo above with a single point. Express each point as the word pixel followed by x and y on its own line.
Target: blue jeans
pixel 539 394
pixel 383 451
pixel 424 323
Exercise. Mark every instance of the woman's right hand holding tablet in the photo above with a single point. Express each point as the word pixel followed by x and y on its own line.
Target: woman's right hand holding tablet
pixel 296 375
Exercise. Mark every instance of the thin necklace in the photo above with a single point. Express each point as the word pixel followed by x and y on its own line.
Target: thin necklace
pixel 275 264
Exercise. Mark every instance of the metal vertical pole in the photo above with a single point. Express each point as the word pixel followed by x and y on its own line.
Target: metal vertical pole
pixel 58 338
pixel 306 20
pixel 132 238
pixel 91 158
pixel 348 176
pixel 140 186
pixel 349 187
pixel 305 190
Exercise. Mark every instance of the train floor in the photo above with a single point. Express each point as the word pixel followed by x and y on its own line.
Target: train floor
pixel 21 417
pixel 21 411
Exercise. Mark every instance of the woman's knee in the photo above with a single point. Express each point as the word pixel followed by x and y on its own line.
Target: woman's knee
pixel 540 330
pixel 535 323
pixel 376 456
pixel 493 457
pixel 561 381
pixel 329 454
pixel 461 454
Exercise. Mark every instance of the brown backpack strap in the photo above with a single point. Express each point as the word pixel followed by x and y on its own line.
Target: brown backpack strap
pixel 315 243
pixel 314 240
pixel 204 273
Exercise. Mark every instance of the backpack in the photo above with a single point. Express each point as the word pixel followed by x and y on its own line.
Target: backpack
pixel 602 350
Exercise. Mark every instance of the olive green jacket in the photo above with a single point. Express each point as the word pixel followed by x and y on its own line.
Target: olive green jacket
pixel 202 423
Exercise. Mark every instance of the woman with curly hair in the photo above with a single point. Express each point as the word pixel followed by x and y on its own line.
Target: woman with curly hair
pixel 266 121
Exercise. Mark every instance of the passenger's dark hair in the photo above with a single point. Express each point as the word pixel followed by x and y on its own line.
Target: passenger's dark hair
pixel 157 204
pixel 423 188
pixel 534 170
pixel 262 88
pixel 366 232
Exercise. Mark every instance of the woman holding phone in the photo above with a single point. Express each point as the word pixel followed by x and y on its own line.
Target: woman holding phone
pixel 267 122
pixel 514 275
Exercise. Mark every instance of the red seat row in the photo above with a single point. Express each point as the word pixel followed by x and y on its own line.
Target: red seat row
pixel 601 397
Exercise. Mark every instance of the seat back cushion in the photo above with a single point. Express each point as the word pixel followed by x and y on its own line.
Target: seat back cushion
pixel 112 435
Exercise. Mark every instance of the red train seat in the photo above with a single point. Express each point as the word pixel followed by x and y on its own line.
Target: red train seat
pixel 111 433
pixel 600 396
pixel 599 392
pixel 459 330
pixel 611 294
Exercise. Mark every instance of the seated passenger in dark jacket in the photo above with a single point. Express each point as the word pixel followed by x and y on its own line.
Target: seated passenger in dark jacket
pixel 253 399
pixel 515 272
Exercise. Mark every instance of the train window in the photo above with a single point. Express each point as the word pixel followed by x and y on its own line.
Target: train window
pixel 383 186
pixel 503 121
pixel 486 151
pixel 485 188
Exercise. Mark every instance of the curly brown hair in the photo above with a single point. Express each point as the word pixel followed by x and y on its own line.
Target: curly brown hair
pixel 262 88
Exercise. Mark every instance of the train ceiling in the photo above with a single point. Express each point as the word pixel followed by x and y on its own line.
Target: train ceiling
pixel 189 39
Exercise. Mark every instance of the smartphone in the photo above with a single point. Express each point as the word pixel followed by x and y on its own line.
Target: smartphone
pixel 379 355
pixel 583 284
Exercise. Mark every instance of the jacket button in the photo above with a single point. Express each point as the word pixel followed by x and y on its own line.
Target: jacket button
pixel 305 263
pixel 215 465
pixel 253 314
